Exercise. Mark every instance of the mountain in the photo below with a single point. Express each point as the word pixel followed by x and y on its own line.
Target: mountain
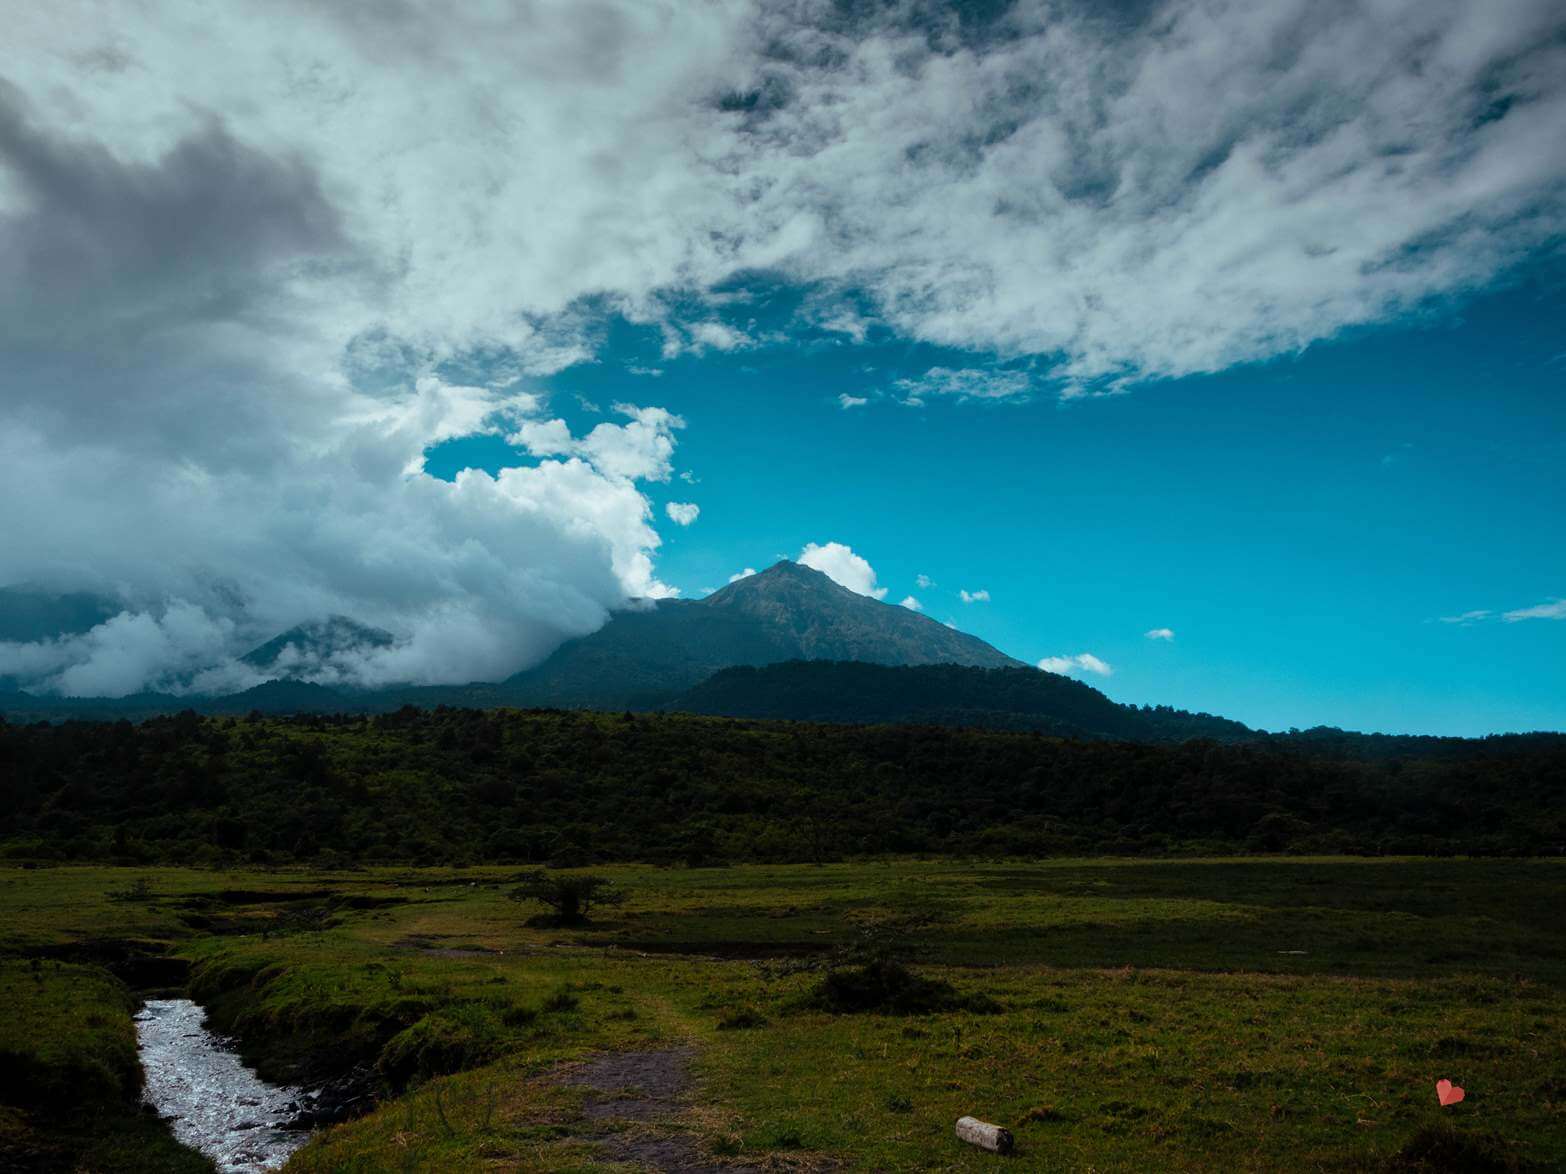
pixel 649 654
pixel 310 644
pixel 943 695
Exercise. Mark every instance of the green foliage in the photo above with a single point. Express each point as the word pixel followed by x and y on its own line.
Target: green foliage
pixel 1138 1026
pixel 572 896
pixel 887 987
pixel 456 1037
pixel 70 1081
pixel 66 1031
pixel 453 786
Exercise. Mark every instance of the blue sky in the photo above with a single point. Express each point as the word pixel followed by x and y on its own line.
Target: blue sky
pixel 1236 320
pixel 1302 525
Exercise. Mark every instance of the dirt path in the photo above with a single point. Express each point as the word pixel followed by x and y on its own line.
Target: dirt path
pixel 640 1097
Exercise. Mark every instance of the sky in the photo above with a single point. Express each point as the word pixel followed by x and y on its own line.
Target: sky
pixel 1211 353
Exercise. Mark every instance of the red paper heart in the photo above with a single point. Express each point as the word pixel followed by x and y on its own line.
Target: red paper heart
pixel 1448 1093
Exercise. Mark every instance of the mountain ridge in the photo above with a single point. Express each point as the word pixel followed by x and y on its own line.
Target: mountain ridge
pixel 646 655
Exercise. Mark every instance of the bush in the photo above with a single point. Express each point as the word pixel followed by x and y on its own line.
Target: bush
pixel 741 1020
pixel 562 1000
pixel 887 987
pixel 571 898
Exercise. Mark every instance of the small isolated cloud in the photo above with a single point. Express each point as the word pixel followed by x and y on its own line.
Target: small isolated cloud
pixel 980 596
pixel 847 401
pixel 924 582
pixel 650 372
pixel 588 405
pixel 912 604
pixel 544 438
pixel 1554 610
pixel 1159 633
pixel 966 384
pixel 682 513
pixel 840 564
pixel 745 574
pixel 1468 617
pixel 1084 662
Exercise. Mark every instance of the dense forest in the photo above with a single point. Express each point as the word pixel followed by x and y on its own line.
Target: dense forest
pixel 570 787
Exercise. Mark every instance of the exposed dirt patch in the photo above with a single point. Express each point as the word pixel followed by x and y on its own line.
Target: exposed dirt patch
pixel 635 1086
pixel 641 1091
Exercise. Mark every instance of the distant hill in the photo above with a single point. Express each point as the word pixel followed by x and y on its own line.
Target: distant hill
pixel 312 644
pixel 944 695
pixel 646 656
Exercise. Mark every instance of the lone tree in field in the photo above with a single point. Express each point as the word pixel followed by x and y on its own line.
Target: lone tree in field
pixel 571 898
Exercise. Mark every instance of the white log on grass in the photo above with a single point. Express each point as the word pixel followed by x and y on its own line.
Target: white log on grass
pixel 984 1135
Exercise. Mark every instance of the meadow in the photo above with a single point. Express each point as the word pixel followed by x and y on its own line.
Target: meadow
pixel 1244 1013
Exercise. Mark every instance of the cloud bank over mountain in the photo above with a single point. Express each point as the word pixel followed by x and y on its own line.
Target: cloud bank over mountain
pixel 254 263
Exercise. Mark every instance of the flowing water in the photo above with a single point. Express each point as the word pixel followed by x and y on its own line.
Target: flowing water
pixel 213 1102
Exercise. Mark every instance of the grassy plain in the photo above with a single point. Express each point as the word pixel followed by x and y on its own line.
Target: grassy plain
pixel 1255 1014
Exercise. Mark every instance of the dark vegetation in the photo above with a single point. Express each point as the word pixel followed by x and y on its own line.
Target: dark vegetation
pixel 944 695
pixel 570 898
pixel 568 788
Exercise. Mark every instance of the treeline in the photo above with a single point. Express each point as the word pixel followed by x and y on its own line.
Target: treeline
pixel 566 787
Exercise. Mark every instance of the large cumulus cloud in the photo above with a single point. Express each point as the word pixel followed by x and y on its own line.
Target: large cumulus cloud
pixel 244 250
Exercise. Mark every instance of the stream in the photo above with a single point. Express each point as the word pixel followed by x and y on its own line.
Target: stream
pixel 213 1103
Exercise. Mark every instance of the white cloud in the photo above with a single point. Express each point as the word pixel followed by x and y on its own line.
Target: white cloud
pixel 924 582
pixel 544 438
pixel 842 565
pixel 697 337
pixel 476 578
pixel 745 574
pixel 967 384
pixel 912 604
pixel 1159 633
pixel 682 513
pixel 1554 610
pixel 649 372
pixel 242 252
pixel 1203 186
pixel 980 596
pixel 1082 662
pixel 847 401
pixel 1467 617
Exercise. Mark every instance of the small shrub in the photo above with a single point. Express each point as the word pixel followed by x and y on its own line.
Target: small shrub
pixel 898 1104
pixel 570 899
pixel 517 1016
pixel 886 987
pixel 741 1020
pixel 562 1000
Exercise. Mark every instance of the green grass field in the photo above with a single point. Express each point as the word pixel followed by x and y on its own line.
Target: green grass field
pixel 1251 1014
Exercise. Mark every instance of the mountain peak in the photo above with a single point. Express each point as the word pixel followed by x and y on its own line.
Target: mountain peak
pixel 315 641
pixel 787 612
pixel 785 571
